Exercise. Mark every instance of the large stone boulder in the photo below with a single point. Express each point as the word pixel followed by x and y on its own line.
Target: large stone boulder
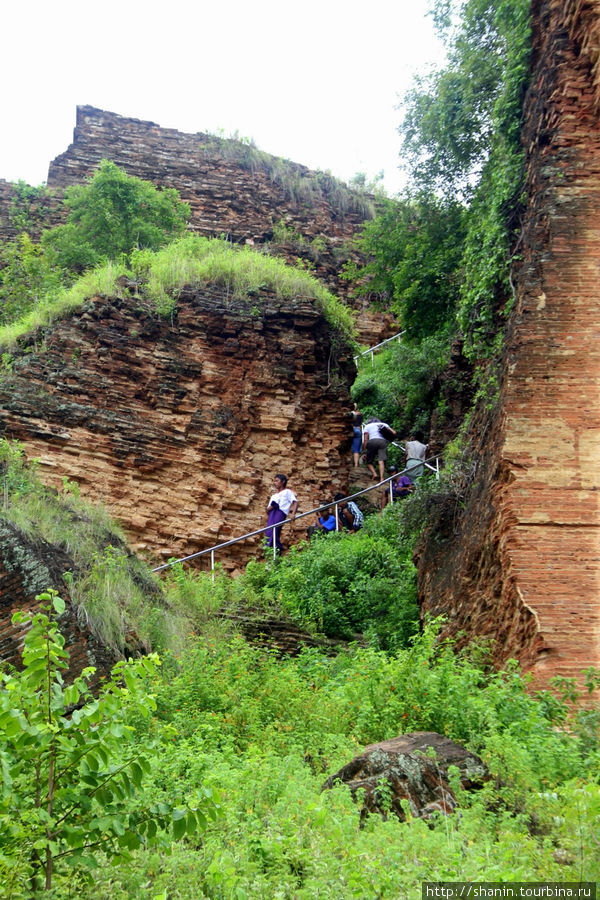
pixel 404 769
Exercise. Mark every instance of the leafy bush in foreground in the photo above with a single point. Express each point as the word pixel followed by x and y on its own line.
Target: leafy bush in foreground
pixel 71 771
pixel 343 585
pixel 265 732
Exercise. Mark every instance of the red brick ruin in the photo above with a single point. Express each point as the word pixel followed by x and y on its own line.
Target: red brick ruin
pixel 521 564
pixel 174 425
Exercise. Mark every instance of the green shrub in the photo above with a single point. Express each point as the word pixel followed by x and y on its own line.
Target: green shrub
pixel 347 584
pixel 72 771
pixel 27 277
pixel 61 302
pixel 403 384
pixel 112 214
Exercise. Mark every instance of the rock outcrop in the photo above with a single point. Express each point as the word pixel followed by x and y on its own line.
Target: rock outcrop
pixel 179 425
pixel 403 771
pixel 519 562
pixel 29 568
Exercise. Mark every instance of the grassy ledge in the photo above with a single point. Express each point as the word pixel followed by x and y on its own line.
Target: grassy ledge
pixel 189 261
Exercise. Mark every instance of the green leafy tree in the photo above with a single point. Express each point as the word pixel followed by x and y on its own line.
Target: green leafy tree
pixel 113 214
pixel 450 115
pixel 461 136
pixel 72 771
pixel 26 278
pixel 414 250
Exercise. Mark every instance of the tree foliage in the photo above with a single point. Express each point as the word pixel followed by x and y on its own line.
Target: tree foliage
pixel 414 250
pixel 445 251
pixel 461 136
pixel 26 278
pixel 451 115
pixel 113 214
pixel 72 772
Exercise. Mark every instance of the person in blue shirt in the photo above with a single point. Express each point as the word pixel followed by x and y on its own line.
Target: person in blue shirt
pixel 324 524
pixel 326 521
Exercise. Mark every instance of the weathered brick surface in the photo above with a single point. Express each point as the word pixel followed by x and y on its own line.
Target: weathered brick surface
pixel 180 425
pixel 522 565
pixel 224 186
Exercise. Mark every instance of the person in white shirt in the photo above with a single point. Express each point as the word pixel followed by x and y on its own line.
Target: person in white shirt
pixel 416 454
pixel 283 504
pixel 375 445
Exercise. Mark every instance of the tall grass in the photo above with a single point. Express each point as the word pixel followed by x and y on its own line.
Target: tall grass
pixel 190 261
pixel 301 186
pixel 113 592
pixel 242 271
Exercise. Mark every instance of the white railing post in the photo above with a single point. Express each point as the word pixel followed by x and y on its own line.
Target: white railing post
pixel 337 528
pixel 212 566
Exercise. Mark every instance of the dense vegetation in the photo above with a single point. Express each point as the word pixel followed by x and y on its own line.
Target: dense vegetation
pixel 158 276
pixel 440 256
pixel 403 383
pixel 203 777
pixel 198 773
pixel 234 724
pixel 112 214
pixel 120 227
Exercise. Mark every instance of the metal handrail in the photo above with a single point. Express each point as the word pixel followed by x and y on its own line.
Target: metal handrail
pixel 371 350
pixel 311 512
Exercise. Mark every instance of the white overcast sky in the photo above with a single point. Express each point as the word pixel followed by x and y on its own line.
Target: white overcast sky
pixel 315 81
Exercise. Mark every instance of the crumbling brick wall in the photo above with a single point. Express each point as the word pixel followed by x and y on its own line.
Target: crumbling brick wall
pixel 180 424
pixel 232 189
pixel 521 563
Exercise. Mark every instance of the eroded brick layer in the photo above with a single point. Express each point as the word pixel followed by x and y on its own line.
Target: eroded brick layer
pixel 179 425
pixel 522 564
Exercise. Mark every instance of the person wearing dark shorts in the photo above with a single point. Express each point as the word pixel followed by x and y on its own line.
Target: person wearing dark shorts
pixel 375 445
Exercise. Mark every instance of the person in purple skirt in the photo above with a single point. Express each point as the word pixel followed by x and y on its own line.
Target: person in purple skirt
pixel 282 505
